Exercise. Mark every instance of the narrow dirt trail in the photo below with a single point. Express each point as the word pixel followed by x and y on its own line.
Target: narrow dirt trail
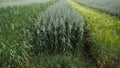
pixel 105 31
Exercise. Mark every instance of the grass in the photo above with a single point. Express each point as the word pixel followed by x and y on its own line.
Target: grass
pixel 16 25
pixel 105 32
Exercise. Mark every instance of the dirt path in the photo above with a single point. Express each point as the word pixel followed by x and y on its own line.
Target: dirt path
pixel 105 31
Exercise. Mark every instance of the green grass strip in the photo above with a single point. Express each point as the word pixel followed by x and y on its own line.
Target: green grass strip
pixel 105 30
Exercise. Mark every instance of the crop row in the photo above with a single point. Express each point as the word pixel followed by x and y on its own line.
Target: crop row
pixel 110 6
pixel 59 29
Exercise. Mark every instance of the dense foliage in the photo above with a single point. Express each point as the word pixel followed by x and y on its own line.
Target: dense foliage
pixel 59 29
pixel 15 33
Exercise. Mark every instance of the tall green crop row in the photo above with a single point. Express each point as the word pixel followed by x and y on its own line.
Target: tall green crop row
pixel 59 29
pixel 16 33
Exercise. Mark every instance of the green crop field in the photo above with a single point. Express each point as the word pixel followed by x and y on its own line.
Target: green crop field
pixel 59 34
